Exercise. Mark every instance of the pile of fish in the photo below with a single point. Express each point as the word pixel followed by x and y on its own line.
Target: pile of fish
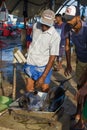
pixel 52 100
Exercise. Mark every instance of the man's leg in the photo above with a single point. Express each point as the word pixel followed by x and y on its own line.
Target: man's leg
pixel 55 65
pixel 59 66
pixel 45 87
pixel 80 68
pixel 29 85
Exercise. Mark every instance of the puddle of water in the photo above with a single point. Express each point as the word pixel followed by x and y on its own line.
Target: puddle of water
pixel 6 57
pixel 7 54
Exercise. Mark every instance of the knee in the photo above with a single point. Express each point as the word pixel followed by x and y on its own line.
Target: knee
pixel 29 88
pixel 45 88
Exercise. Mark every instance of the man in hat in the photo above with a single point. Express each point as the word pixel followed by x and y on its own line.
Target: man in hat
pixel 42 52
pixel 78 34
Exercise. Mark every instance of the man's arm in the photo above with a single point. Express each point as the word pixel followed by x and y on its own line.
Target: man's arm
pixel 68 57
pixel 40 81
pixel 49 66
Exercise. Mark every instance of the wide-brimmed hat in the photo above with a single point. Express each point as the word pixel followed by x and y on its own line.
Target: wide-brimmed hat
pixel 47 17
pixel 71 12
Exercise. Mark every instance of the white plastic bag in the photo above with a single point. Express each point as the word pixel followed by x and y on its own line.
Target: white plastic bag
pixel 3 12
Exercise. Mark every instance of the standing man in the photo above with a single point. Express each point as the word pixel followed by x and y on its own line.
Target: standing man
pixel 78 34
pixel 59 26
pixel 42 52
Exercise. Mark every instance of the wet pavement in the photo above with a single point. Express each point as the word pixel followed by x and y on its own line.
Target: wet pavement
pixel 8 45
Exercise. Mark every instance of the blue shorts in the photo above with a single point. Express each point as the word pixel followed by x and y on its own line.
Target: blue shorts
pixel 36 72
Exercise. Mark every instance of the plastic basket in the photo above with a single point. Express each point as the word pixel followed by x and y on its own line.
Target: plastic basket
pixel 4 102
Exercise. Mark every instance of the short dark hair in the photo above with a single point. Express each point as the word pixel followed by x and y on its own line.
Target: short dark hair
pixel 58 15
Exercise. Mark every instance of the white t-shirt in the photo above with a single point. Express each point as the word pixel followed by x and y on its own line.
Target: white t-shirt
pixel 43 45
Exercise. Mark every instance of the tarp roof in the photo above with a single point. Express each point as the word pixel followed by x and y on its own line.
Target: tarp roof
pixel 34 6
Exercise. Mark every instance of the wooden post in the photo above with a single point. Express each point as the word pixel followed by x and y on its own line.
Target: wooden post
pixel 14 82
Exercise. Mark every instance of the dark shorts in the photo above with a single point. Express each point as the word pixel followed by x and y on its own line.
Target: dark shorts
pixel 80 68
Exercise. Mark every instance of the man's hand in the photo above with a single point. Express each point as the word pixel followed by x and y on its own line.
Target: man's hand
pixel 68 70
pixel 39 82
